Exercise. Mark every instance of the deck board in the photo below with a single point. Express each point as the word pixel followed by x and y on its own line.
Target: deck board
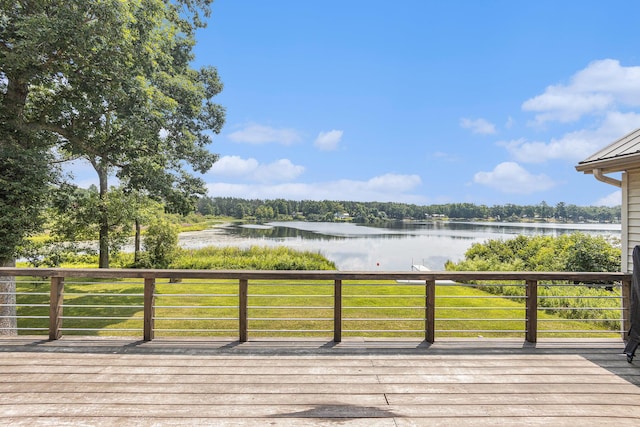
pixel 96 381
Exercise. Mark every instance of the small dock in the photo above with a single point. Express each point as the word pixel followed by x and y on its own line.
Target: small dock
pixel 281 382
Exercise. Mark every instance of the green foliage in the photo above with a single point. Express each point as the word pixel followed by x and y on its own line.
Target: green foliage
pixel 74 211
pixel 160 244
pixel 24 174
pixel 57 254
pixel 254 258
pixel 570 252
pixel 110 82
pixel 264 213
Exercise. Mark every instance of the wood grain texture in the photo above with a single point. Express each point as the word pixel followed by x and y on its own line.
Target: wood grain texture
pixel 109 381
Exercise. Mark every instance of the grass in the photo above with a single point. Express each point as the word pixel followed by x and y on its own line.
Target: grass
pixel 196 222
pixel 253 258
pixel 292 309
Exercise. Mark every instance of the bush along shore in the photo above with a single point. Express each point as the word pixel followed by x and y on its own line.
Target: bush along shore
pixel 599 303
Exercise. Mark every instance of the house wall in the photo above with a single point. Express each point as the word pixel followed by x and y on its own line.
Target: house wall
pixel 630 216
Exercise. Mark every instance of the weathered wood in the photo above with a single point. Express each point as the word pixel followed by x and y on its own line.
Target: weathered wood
pixel 430 311
pixel 461 276
pixel 531 323
pixel 149 308
pixel 243 302
pixel 8 308
pixel 59 383
pixel 337 311
pixel 56 296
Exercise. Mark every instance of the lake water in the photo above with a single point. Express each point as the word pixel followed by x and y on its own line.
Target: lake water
pixel 390 248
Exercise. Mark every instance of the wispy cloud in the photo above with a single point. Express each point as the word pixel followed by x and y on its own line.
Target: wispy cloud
pixel 510 177
pixel 259 134
pixel 510 122
pixel 480 126
pixel 327 141
pixel 443 156
pixel 387 187
pixel 613 199
pixel 603 85
pixel 282 170
pixel 576 145
pixel 391 182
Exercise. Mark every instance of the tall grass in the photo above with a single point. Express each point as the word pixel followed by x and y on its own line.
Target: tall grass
pixel 254 258
pixel 596 303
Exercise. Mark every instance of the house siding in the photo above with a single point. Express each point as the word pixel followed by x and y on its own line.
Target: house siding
pixel 631 217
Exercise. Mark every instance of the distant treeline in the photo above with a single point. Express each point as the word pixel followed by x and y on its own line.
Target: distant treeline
pixel 372 212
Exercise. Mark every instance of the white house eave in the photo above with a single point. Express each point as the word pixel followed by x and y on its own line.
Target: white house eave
pixel 618 164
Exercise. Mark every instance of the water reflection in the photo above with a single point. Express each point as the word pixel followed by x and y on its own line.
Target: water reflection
pixel 392 247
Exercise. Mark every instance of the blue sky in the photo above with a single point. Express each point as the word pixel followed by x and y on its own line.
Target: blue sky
pixel 421 101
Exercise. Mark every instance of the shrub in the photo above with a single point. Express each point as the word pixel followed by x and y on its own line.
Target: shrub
pixel 160 244
pixel 574 252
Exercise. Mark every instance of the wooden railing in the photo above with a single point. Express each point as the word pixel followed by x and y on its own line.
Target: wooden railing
pixel 245 279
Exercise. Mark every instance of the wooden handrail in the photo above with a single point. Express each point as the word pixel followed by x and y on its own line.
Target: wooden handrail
pixel 462 276
pixel 244 277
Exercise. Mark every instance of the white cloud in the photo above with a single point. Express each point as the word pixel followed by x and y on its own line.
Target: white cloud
pixel 577 145
pixel 392 182
pixel 231 166
pixel 388 187
pixel 328 140
pixel 251 170
pixel 601 86
pixel 613 199
pixel 281 170
pixel 480 126
pixel 510 177
pixel 258 134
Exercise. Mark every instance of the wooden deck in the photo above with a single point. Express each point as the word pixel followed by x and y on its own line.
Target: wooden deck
pixel 110 381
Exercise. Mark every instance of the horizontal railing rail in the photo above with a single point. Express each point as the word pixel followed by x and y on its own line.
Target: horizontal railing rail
pixel 347 303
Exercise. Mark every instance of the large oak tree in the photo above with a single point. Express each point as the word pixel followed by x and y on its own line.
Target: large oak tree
pixel 109 81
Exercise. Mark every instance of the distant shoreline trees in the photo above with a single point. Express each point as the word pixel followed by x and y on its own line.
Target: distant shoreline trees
pixel 373 212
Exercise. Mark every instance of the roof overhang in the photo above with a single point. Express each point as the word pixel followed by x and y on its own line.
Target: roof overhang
pixel 611 165
pixel 619 156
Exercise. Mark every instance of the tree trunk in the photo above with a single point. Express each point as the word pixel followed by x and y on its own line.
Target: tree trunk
pixel 8 319
pixel 136 251
pixel 103 261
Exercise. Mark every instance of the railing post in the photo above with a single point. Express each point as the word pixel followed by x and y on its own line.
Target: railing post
pixel 531 322
pixel 243 299
pixel 626 308
pixel 149 307
pixel 55 308
pixel 430 311
pixel 337 311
